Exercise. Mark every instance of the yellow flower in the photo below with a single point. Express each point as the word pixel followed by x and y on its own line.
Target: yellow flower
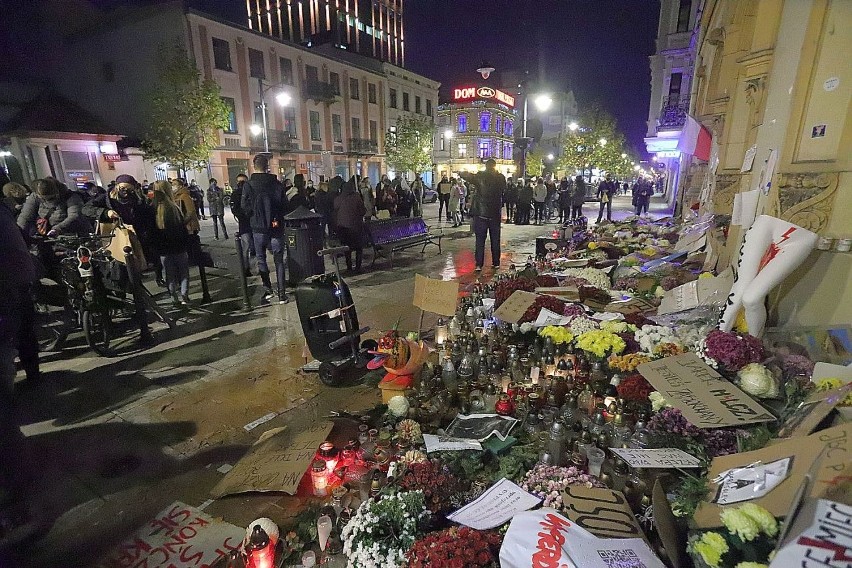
pixel 593 245
pixel 740 524
pixel 711 547
pixel 705 275
pixel 629 362
pixel 751 565
pixel 828 384
pixel 600 342
pixel 557 333
pixel 765 520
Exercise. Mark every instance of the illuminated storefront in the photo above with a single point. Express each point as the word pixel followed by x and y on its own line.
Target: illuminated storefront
pixel 475 124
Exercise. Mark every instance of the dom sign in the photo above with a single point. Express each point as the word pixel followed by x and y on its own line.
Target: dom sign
pixel 470 93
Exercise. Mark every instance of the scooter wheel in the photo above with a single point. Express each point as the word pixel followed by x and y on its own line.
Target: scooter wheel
pixel 329 374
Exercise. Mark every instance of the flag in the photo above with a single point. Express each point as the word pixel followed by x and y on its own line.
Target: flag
pixel 695 139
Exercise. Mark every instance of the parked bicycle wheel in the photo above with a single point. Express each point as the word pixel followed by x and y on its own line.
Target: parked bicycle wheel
pixel 97 327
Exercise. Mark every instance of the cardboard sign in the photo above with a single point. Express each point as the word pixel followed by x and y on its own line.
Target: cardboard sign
pixel 691 241
pixel 547 317
pixel 697 293
pixel 634 305
pixel 544 538
pixel 603 512
pixel 657 458
pixel 275 463
pixel 179 536
pixel 436 296
pixel 498 504
pixel 705 398
pixel 513 309
pixel 811 411
pixel 751 482
pixel 448 444
pixel 836 464
pixel 820 536
pixel 672 533
pixel 570 293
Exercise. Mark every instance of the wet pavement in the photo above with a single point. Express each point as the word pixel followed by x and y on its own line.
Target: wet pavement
pixel 116 439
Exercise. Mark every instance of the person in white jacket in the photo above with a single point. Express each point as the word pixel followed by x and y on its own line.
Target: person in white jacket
pixel 539 200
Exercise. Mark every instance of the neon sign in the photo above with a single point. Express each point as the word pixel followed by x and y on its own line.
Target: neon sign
pixel 471 93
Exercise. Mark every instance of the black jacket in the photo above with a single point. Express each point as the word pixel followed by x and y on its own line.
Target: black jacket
pixel 264 201
pixel 492 186
pixel 240 214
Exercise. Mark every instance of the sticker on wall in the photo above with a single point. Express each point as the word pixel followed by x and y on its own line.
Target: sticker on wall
pixel 818 131
pixel 831 83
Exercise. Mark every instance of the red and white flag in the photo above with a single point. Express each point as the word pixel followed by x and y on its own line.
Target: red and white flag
pixel 695 139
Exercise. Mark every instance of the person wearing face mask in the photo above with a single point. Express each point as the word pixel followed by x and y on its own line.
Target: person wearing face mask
pixel 52 209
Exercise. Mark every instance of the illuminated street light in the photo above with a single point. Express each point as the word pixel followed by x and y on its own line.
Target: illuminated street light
pixel 283 99
pixel 635 167
pixel 602 141
pixel 543 102
pixel 623 155
pixel 256 129
pixel 448 133
pixel 573 127
pixel 550 157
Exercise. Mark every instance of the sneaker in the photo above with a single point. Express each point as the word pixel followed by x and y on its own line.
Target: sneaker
pixel 267 294
pixel 284 300
pixel 495 266
pixel 184 300
pixel 478 269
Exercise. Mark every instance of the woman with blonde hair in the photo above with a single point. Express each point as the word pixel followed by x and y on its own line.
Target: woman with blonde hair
pixel 170 239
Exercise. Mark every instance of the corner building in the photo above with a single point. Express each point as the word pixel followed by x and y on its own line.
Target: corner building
pixel 475 124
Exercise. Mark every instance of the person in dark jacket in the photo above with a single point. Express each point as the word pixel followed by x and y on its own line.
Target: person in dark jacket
pixel 349 211
pixel 564 199
pixel 216 201
pixel 486 209
pixel 606 191
pixel 14 196
pixel 52 209
pixel 642 196
pixel 266 203
pixel 578 198
pixel 197 198
pixel 525 197
pixel 171 239
pixel 324 205
pixel 243 222
pixel 511 199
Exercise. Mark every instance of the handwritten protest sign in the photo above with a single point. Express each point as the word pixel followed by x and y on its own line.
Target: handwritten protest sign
pixel 603 512
pixel 436 296
pixel 705 398
pixel 635 305
pixel 657 458
pixel 276 463
pixel 179 536
pixel 820 536
pixel 547 317
pixel 512 310
pixel 494 507
pixel 449 444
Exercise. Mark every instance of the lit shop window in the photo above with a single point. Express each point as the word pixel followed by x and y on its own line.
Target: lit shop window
pixel 485 121
pixel 462 123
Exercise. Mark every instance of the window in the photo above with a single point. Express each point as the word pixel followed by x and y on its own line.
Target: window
pixel 315 125
pixel 371 93
pixel 483 148
pixel 286 67
pixel 354 89
pixel 462 150
pixel 290 120
pixel 356 127
pixel 334 79
pixel 405 102
pixel 507 151
pixel 232 115
pixel 392 98
pixel 221 54
pixel 674 86
pixel 311 75
pixel 336 128
pixel 256 68
pixel 485 121
pixel 462 123
pixel 683 11
pixel 497 125
pixel 374 131
pixel 428 107
pixel 443 143
pixel 417 106
pixel 508 127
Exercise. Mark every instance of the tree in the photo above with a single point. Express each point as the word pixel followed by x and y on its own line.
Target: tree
pixel 410 147
pixel 596 144
pixel 185 113
pixel 535 162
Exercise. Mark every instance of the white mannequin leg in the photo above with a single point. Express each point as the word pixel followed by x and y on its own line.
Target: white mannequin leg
pixel 772 249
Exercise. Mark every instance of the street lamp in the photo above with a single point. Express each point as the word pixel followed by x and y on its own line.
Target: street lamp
pixel 573 127
pixel 282 98
pixel 542 102
pixel 448 136
pixel 550 157
pixel 623 155
pixel 602 141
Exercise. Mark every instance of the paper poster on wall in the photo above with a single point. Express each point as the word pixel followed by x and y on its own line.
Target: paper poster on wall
pixel 748 159
pixel 768 172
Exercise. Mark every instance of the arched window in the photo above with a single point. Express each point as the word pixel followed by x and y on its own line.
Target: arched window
pixel 484 121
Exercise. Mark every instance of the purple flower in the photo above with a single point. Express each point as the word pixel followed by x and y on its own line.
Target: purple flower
pixel 719 442
pixel 627 283
pixel 733 350
pixel 671 421
pixel 572 310
pixel 797 365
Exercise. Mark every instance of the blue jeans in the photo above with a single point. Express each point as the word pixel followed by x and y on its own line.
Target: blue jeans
pixel 177 272
pixel 483 226
pixel 274 244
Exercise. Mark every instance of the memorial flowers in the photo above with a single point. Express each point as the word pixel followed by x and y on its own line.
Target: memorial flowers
pixel 548 482
pixel 747 538
pixel 557 333
pixel 729 350
pixel 456 546
pixel 600 343
pixel 381 532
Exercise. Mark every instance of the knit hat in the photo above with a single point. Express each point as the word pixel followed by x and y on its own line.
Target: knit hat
pixel 126 178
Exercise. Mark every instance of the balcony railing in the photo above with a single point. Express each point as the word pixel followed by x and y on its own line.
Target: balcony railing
pixel 279 141
pixel 673 113
pixel 363 146
pixel 320 92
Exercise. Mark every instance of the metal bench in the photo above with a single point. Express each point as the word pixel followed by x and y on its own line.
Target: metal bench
pixel 399 234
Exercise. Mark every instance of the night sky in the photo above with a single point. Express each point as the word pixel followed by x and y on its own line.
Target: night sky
pixel 597 48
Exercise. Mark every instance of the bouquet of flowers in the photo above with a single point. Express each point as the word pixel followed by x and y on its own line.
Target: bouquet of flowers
pixel 460 547
pixel 600 343
pixel 581 324
pixel 746 540
pixel 381 532
pixel 435 482
pixel 634 388
pixel 557 333
pixel 670 429
pixel 627 363
pixel 729 350
pixel 650 336
pixel 548 481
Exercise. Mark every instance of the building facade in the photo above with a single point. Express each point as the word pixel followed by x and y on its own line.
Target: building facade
pixel 340 102
pixel 369 27
pixel 771 85
pixel 475 124
pixel 672 70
